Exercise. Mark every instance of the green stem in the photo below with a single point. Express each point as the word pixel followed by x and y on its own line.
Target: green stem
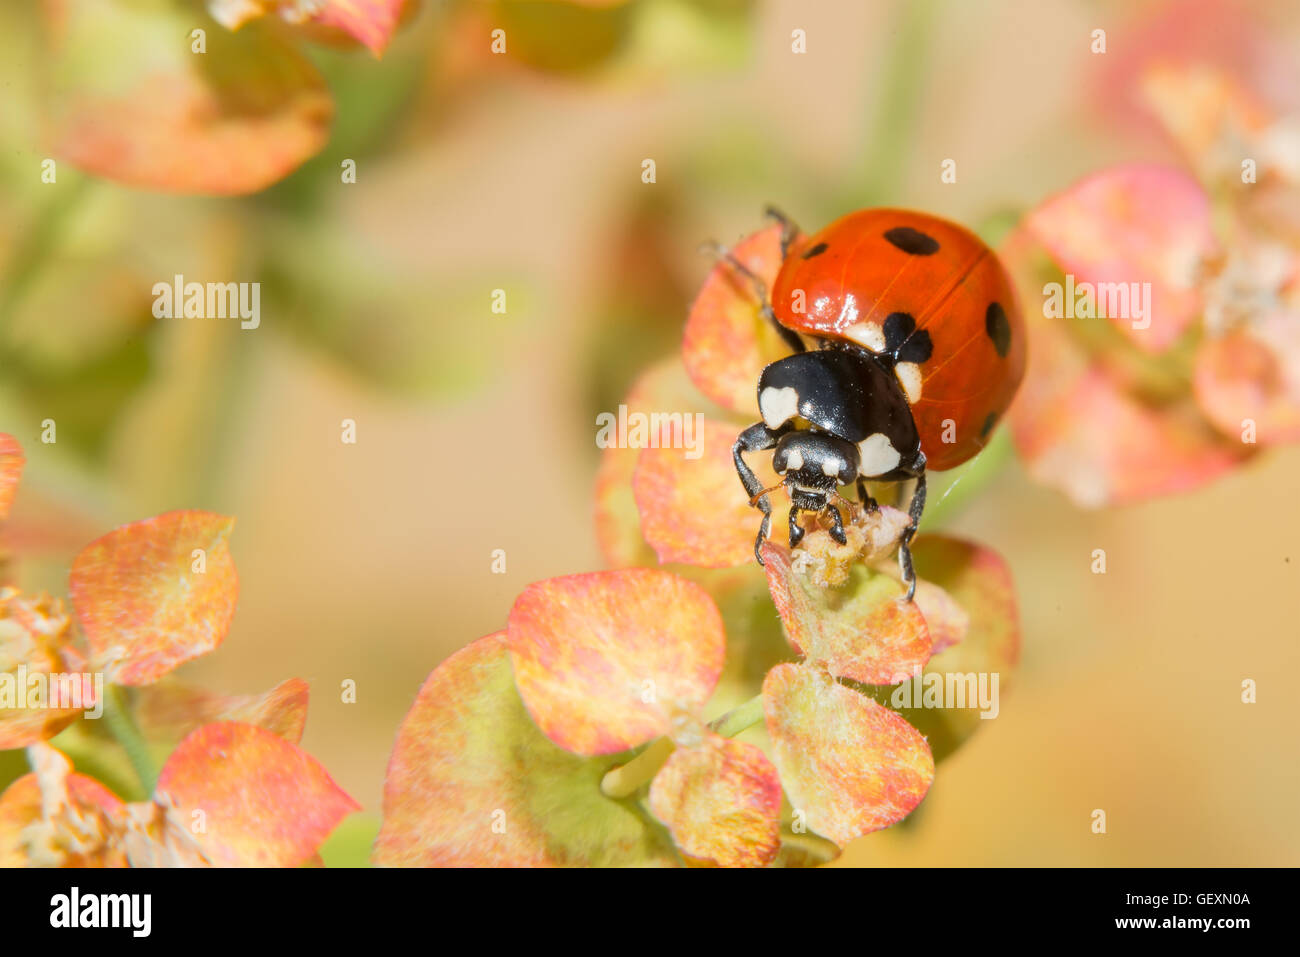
pixel 626 780
pixel 818 847
pixel 122 726
pixel 739 718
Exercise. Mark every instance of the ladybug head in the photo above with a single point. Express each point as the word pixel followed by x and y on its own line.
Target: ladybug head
pixel 815 461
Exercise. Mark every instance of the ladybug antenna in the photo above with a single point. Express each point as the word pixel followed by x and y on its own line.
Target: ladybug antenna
pixel 723 254
pixel 754 501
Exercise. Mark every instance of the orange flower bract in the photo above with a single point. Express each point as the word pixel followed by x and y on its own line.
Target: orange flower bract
pixel 721 799
pixel 604 660
pixel 156 593
pixel 849 765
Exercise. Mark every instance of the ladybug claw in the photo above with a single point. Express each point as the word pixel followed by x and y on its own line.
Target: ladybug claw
pixel 905 565
pixel 837 526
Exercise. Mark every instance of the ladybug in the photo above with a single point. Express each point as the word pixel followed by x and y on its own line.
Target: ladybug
pixel 908 348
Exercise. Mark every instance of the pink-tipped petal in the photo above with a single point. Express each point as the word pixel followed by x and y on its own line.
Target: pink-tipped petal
pixel 695 510
pixel 263 801
pixel 472 782
pixel 1248 381
pixel 1124 231
pixel 604 660
pixel 848 765
pixel 154 594
pixel 728 341
pixel 154 114
pixel 864 630
pixel 721 800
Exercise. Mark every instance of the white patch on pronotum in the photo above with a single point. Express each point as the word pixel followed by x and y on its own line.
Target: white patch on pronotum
pixel 778 406
pixel 830 468
pixel 909 375
pixel 794 461
pixel 869 334
pixel 878 455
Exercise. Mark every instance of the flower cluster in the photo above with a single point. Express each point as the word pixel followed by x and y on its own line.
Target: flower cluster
pixel 220 104
pixel 146 598
pixel 600 727
pixel 1178 356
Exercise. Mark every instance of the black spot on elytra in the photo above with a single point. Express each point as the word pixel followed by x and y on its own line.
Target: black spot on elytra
pixel 903 341
pixel 917 349
pixel 815 251
pixel 912 241
pixel 998 328
pixel 898 326
pixel 987 427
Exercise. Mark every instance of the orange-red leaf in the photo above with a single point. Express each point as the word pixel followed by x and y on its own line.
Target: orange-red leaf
pixel 848 765
pixel 11 470
pixel 148 601
pixel 694 510
pixel 663 388
pixel 1248 381
pixel 728 341
pixel 604 660
pixel 977 581
pixel 472 782
pixel 721 800
pixel 945 620
pixel 1213 117
pixel 1133 224
pixel 369 22
pixel 1104 446
pixel 169 710
pixel 864 630
pixel 131 102
pixel 1085 423
pixel 265 802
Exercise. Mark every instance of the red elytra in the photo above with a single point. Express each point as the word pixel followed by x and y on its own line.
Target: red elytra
pixel 848 280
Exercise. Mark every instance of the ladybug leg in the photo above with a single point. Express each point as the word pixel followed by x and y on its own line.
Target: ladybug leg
pixel 796 530
pixel 764 527
pixel 790 337
pixel 868 503
pixel 757 438
pixel 905 544
pixel 837 525
pixel 788 229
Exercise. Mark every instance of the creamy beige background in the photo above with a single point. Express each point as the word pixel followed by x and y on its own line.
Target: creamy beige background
pixel 372 562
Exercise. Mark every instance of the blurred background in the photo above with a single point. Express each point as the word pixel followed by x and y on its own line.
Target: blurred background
pixel 475 430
